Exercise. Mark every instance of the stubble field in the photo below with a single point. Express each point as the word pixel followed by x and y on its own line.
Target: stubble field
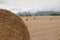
pixel 43 27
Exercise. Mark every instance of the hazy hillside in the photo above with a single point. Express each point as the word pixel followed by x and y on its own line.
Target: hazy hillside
pixel 38 13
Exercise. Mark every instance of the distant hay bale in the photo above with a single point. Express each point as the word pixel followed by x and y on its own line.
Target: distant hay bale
pixel 26 19
pixel 12 27
pixel 51 18
pixel 34 18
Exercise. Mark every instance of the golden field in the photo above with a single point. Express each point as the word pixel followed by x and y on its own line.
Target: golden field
pixel 43 27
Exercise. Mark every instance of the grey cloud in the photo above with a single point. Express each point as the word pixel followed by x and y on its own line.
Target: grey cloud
pixel 32 4
pixel 2 1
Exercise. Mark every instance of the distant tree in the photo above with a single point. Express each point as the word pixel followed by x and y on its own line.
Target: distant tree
pixel 55 14
pixel 30 15
pixel 26 15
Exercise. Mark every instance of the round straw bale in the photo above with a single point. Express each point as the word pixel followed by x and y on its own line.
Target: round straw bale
pixel 12 27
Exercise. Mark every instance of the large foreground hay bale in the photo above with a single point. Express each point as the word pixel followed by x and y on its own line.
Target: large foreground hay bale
pixel 12 27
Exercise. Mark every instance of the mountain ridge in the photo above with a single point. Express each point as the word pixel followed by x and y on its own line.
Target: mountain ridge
pixel 38 13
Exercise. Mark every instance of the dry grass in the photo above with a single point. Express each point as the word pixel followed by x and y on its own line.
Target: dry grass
pixel 44 27
pixel 12 27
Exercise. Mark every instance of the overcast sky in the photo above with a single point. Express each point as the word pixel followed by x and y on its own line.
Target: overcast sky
pixel 31 5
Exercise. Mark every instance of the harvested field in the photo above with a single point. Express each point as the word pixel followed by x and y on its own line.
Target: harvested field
pixel 12 27
pixel 43 27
